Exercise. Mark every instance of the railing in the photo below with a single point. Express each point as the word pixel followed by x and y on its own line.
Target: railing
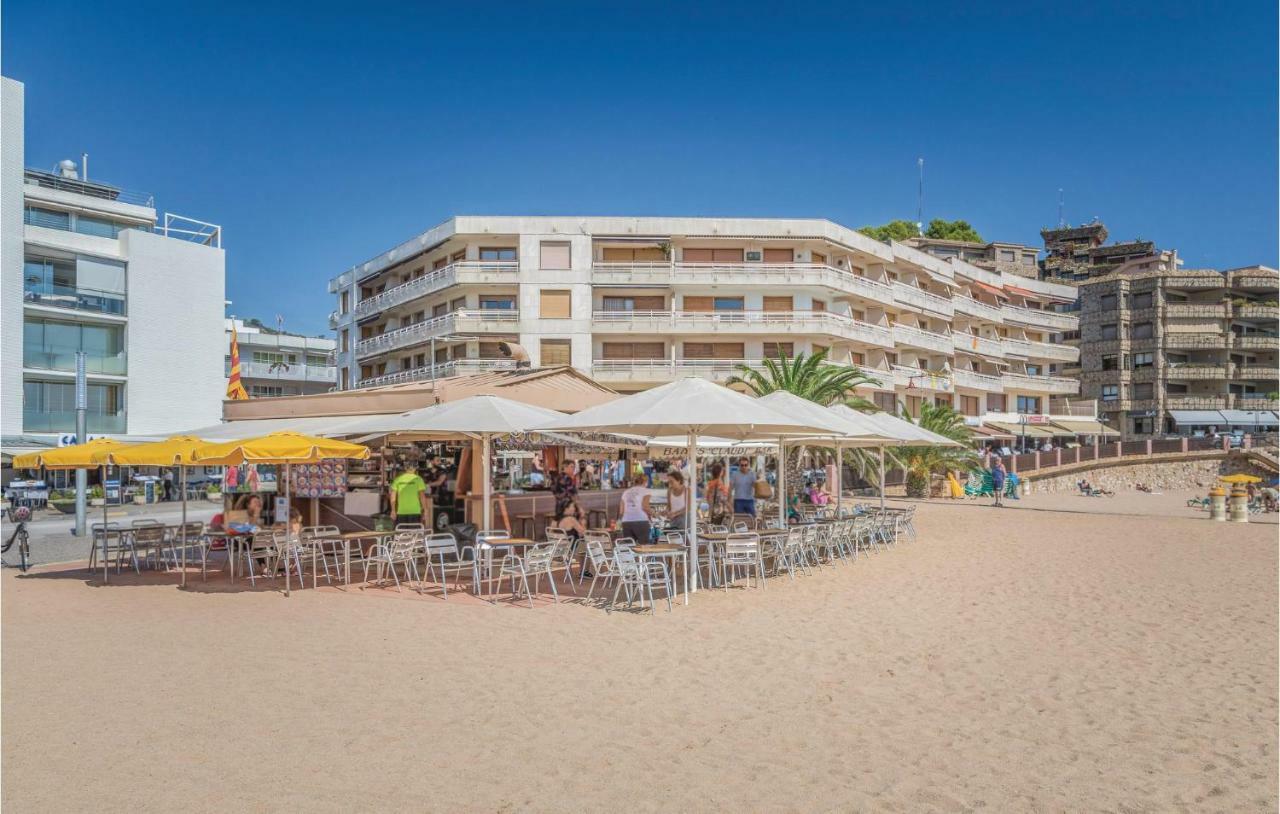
pixel 1255 372
pixel 1245 403
pixel 1256 342
pixel 1195 402
pixel 479 320
pixel 645 370
pixel 974 308
pixel 335 319
pixel 1047 350
pixel 920 338
pixel 1216 310
pixel 783 274
pixel 463 271
pixel 1040 319
pixel 743 321
pixel 1179 372
pixel 286 372
pixel 180 227
pixel 65 361
pixel 977 381
pixel 980 345
pixel 65 421
pixel 341 282
pixel 1039 384
pixel 442 370
pixel 1193 340
pixel 75 298
pixel 1031 462
pixel 913 378
pixel 92 189
pixel 910 295
pixel 1257 311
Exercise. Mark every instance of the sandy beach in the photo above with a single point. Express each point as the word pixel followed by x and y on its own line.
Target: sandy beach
pixel 1065 653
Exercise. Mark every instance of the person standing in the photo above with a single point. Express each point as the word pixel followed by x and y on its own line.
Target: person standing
pixel 408 495
pixel 633 510
pixel 997 480
pixel 742 484
pixel 677 499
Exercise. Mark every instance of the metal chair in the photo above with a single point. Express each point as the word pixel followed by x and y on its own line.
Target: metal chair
pixel 442 552
pixel 401 551
pixel 638 577
pixel 742 552
pixel 536 562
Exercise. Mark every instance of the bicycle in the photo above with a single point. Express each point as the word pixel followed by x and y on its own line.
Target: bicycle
pixel 19 515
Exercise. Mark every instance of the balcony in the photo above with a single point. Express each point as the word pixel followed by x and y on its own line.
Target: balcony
pixel 1048 350
pixel 925 340
pixel 65 361
pixel 970 307
pixel 1040 384
pixel 1192 341
pixel 1194 372
pixel 913 297
pixel 443 370
pixel 466 272
pixel 814 275
pixel 65 421
pixel 661 370
pixel 335 319
pixel 1255 403
pixel 977 381
pixel 914 378
pixel 75 298
pixel 1256 342
pixel 342 281
pixel 289 373
pixel 1044 320
pixel 461 321
pixel 1195 402
pixel 1257 311
pixel 978 345
pixel 742 322
pixel 1215 310
pixel 1256 372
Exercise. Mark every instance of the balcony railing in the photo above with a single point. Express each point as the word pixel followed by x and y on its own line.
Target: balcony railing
pixel 290 373
pixel 65 361
pixel 979 345
pixel 75 298
pixel 462 321
pixel 914 378
pixel 1254 403
pixel 443 370
pixel 1256 342
pixel 1195 402
pixel 1255 372
pixel 1036 318
pixel 977 381
pixel 65 421
pixel 975 308
pixel 755 322
pixel 1048 350
pixel 1040 384
pixel 462 272
pixel 1194 340
pixel 779 274
pixel 1213 310
pixel 1195 372
pixel 92 189
pixel 656 370
pixel 905 294
pixel 1257 311
pixel 920 338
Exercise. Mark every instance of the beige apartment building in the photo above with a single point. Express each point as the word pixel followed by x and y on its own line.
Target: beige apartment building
pixel 635 302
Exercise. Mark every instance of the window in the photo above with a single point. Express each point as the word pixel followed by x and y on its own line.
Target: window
pixel 778 304
pixel 497 302
pixel 712 255
pixel 344 302
pixel 1008 255
pixel 1033 370
pixel 346 379
pixel 442 356
pixel 491 350
pixel 1142 330
pixel 49 406
pixel 439 264
pixel 640 254
pixel 995 402
pixel 554 256
pixel 555 352
pixel 1110 361
pixel 633 350
pixel 775 350
pixel 346 340
pixel 858 358
pixel 818 257
pixel 262 357
pixel 420 360
pixel 885 401
pixel 1141 360
pixel 460 255
pixel 818 305
pixel 969 405
pixel 79 283
pixel 1143 300
pixel 1108 302
pixel 657 303
pixel 265 390
pixel 52 345
pixel 729 304
pixel 714 350
pixel 1028 258
pixel 1144 390
pixel 1111 331
pixel 1029 404
pixel 48 218
pixel 1143 426
pixel 555 304
pixel 779 255
pixel 497 253
pixel 1110 392
pixel 439 310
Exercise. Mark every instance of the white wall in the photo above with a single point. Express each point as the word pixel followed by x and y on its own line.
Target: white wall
pixel 176 334
pixel 12 160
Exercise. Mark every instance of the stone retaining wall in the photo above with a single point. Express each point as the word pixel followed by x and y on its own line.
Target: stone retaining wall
pixel 1177 473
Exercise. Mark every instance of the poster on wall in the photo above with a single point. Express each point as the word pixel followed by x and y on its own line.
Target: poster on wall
pixel 327 478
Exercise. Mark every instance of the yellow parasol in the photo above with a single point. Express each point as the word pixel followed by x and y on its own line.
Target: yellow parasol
pixel 1240 479
pixel 77 456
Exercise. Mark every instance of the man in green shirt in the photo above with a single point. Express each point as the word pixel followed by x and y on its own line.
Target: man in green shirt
pixel 408 497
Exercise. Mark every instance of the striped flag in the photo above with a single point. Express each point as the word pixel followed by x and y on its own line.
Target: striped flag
pixel 235 390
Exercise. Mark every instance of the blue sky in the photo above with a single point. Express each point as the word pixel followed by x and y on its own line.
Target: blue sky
pixel 320 139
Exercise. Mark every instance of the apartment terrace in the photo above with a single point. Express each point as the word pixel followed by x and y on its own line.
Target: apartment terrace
pixel 970 307
pixel 463 272
pixel 977 381
pixel 461 321
pixel 743 322
pixel 288 373
pixel 1039 384
pixel 812 275
pixel 1035 318
pixel 925 340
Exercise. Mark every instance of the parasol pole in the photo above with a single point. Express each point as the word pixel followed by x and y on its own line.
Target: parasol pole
pixel 104 521
pixel 486 512
pixel 182 473
pixel 839 476
pixel 691 512
pixel 782 482
pixel 882 478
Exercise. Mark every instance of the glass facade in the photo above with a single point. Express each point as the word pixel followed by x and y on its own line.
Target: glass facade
pixel 73 222
pixel 81 284
pixel 52 345
pixel 50 406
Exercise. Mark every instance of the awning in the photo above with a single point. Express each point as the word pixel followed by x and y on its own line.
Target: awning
pixel 1023 430
pixel 992 290
pixel 990 432
pixel 1085 427
pixel 1035 295
pixel 1251 418
pixel 1186 418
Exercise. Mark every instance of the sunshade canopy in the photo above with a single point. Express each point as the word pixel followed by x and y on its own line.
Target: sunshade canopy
pixel 78 456
pixel 1084 427
pixel 1240 478
pixel 851 427
pixel 1187 418
pixel 1250 418
pixel 277 448
pixel 903 431
pixel 176 451
pixel 1023 430
pixel 985 432
pixel 473 415
pixel 691 405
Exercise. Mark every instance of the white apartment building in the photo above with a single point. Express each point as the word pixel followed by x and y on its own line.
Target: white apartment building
pixel 275 363
pixel 88 266
pixel 635 302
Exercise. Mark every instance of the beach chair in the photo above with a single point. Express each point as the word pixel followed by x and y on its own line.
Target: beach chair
pixel 1201 503
pixel 603 567
pixel 442 552
pixel 742 554
pixel 638 577
pixel 536 562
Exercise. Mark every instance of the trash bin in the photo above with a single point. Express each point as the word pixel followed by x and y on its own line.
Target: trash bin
pixel 464 533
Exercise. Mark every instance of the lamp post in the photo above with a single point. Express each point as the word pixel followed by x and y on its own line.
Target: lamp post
pixel 82 436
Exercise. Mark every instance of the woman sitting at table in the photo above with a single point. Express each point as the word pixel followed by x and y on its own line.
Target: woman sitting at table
pixel 633 510
pixel 818 495
pixel 572 521
pixel 677 499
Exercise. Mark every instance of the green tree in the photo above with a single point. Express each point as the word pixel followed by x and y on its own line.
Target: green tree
pixel 921 463
pixel 898 230
pixel 940 229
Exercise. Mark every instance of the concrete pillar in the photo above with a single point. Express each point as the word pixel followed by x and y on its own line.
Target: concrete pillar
pixel 1078 454
pixel 1239 504
pixel 1148 446
pixel 1119 448
pixel 1097 448
pixel 1217 503
pixel 1037 466
pixel 1184 443
pixel 1058 452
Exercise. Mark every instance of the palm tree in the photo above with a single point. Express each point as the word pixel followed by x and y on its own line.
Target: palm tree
pixel 921 463
pixel 810 377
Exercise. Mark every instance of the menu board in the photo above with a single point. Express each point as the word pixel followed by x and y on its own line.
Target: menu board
pixel 324 479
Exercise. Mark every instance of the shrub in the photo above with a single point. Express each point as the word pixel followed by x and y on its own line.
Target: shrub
pixel 917 483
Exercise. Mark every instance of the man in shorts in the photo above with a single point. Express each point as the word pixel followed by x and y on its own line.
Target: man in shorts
pixel 742 487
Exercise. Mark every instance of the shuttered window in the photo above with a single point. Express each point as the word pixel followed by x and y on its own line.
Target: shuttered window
pixel 714 350
pixel 439 264
pixel 885 401
pixel 439 310
pixel 778 304
pixel 774 350
pixel 647 303
pixel 642 254
pixel 442 355
pixel 555 352
pixel 779 255
pixel 819 305
pixel 458 256
pixel 554 256
pixel 699 303
pixel 489 350
pixel 555 305
pixel 818 258
pixel 633 350
pixel 459 352
pixel 816 348
pixel 969 405
pixel 712 255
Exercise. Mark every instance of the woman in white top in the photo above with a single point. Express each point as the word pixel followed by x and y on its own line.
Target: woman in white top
pixel 677 499
pixel 634 510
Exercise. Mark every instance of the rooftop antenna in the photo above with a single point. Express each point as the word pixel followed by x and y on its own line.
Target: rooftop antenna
pixel 920 199
pixel 1061 222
